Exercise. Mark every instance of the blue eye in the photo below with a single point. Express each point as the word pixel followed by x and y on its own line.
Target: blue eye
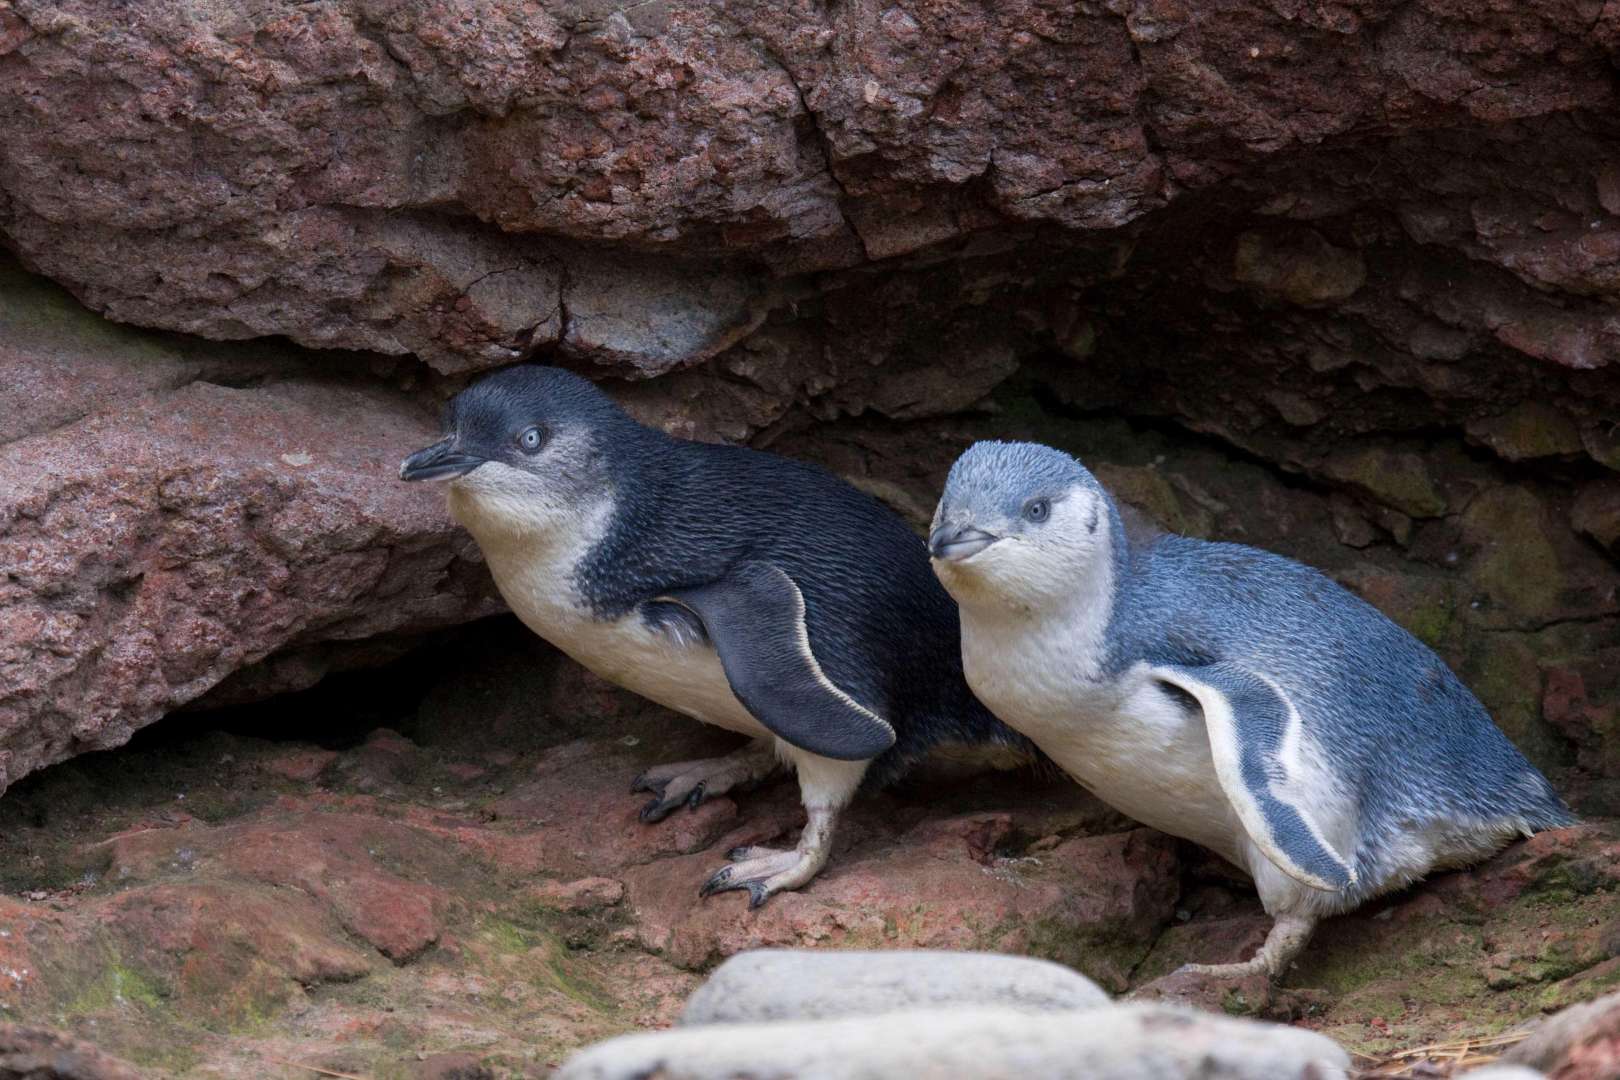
pixel 1037 510
pixel 531 439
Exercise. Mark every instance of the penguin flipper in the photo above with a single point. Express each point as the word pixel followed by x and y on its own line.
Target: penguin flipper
pixel 754 617
pixel 1252 725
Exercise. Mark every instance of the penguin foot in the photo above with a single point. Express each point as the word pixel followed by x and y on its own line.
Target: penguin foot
pixel 764 871
pixel 1288 936
pixel 689 783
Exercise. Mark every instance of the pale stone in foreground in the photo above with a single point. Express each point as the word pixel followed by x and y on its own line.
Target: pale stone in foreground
pixel 815 984
pixel 1130 1042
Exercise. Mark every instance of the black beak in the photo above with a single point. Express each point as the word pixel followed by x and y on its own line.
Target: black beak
pixel 953 543
pixel 438 462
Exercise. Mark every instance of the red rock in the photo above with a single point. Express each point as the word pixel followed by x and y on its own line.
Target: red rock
pixel 230 953
pixel 332 857
pixel 19 971
pixel 586 894
pixel 163 543
pixel 579 811
pixel 1091 901
pixel 975 835
pixel 1581 859
pixel 384 760
pixel 850 212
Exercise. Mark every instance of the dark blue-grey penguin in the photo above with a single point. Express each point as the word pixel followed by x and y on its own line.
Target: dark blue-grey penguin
pixel 752 592
pixel 1223 694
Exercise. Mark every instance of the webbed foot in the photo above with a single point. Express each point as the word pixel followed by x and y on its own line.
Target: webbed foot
pixel 764 871
pixel 1288 936
pixel 689 783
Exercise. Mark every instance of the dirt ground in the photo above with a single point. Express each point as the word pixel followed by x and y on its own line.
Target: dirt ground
pixel 440 869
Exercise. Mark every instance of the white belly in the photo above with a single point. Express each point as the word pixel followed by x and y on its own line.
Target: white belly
pixel 1149 759
pixel 537 582
pixel 685 676
pixel 1123 739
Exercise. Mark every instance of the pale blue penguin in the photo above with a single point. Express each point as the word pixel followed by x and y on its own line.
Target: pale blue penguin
pixel 1223 694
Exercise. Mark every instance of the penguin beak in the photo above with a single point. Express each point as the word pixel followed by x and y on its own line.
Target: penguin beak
pixel 438 462
pixel 953 543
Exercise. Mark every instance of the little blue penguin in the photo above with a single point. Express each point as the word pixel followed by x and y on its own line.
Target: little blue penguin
pixel 747 590
pixel 1223 694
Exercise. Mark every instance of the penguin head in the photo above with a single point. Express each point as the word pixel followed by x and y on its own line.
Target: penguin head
pixel 1019 524
pixel 527 449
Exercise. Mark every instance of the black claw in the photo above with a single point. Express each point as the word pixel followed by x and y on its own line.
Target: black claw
pixel 720 882
pixel 657 810
pixel 756 895
pixel 695 799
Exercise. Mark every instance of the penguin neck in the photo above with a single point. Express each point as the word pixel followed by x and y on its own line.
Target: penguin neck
pixel 628 559
pixel 1086 613
pixel 1028 663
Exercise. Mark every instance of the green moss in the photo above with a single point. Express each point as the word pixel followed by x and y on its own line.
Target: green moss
pixel 1237 1003
pixel 1434 961
pixel 1375 1000
pixel 1398 480
pixel 506 937
pixel 547 961
pixel 1433 624
pixel 117 986
pixel 1559 995
pixel 1530 430
pixel 1517 565
pixel 165 1054
pixel 34 309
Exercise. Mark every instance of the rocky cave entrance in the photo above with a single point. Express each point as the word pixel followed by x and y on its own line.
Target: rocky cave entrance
pixel 1335 280
pixel 449 805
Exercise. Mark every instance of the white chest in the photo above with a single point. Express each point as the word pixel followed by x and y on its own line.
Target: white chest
pixel 1124 738
pixel 536 578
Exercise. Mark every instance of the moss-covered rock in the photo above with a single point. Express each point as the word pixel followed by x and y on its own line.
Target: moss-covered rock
pixel 1517 565
pixel 1398 479
pixel 1531 429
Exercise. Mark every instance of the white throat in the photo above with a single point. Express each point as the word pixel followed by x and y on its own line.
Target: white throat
pixel 1029 666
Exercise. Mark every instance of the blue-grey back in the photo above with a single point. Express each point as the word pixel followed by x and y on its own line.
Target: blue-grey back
pixel 1397 723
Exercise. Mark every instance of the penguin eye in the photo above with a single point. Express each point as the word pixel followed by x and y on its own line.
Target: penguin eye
pixel 1037 510
pixel 529 442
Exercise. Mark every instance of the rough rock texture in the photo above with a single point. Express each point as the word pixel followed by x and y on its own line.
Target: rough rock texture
pixel 788 984
pixel 1370 244
pixel 1128 1042
pixel 644 185
pixel 439 179
pixel 170 515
